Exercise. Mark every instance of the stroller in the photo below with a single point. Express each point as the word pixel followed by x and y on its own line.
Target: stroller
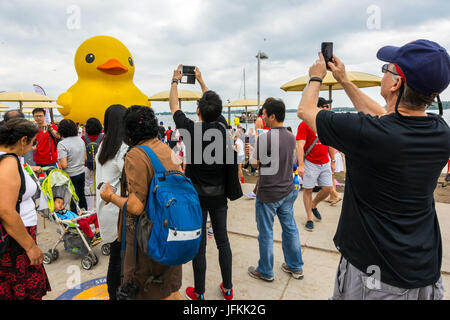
pixel 58 184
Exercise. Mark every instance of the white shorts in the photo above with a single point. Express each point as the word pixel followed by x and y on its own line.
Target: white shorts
pixel 317 174
pixel 339 162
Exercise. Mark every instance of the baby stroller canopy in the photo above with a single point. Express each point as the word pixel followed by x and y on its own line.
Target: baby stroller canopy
pixel 57 184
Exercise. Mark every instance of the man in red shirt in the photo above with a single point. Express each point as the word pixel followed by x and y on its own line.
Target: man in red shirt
pixel 47 138
pixel 169 133
pixel 314 168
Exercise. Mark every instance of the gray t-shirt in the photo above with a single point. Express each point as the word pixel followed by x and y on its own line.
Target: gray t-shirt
pixel 72 148
pixel 275 151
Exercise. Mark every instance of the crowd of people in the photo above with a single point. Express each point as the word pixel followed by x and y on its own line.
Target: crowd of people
pixel 387 219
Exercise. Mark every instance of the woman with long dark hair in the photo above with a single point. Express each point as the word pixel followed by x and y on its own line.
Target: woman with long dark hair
pixel 141 128
pixel 109 165
pixel 22 275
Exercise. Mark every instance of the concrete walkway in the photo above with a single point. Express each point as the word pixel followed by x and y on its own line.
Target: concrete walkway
pixel 319 255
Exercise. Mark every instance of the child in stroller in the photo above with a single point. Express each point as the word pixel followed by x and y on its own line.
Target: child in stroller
pixel 85 223
pixel 58 185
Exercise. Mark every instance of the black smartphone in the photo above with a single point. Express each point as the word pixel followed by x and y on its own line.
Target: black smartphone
pixel 189 73
pixel 100 185
pixel 247 139
pixel 327 52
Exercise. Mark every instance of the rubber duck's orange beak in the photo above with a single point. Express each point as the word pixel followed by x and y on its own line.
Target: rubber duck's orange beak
pixel 113 66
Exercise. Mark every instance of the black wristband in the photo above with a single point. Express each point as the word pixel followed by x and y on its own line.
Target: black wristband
pixel 175 81
pixel 315 79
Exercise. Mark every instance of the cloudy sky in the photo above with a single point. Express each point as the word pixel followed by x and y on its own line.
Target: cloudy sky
pixel 38 40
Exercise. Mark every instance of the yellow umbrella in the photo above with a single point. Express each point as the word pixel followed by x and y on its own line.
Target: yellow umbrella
pixel 45 105
pixel 183 95
pixel 22 97
pixel 360 79
pixel 241 103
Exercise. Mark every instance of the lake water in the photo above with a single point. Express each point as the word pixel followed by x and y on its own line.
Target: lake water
pixel 291 119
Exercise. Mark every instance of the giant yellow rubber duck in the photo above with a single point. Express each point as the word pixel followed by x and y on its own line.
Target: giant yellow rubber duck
pixel 105 71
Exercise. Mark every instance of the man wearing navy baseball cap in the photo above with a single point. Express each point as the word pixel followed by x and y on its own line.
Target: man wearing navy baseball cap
pixel 388 232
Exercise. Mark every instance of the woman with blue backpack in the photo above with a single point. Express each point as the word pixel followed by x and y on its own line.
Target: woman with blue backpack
pixel 151 269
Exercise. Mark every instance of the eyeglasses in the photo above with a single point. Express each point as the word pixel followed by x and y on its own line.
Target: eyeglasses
pixel 385 68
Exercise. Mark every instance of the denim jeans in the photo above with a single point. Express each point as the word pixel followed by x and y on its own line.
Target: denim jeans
pixel 265 214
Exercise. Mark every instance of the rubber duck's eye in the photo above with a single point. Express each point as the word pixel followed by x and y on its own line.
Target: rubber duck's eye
pixel 130 61
pixel 90 58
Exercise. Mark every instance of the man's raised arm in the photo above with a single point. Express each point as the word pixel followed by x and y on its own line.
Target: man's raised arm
pixel 173 95
pixel 361 101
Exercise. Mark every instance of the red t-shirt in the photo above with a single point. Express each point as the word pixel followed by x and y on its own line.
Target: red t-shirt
pixel 319 153
pixel 168 132
pixel 46 152
pixel 264 124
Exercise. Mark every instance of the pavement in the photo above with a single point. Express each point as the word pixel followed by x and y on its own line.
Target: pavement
pixel 319 255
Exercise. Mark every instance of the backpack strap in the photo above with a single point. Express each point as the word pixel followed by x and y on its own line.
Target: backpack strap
pixel 311 146
pixel 99 138
pixel 22 179
pixel 86 138
pixel 157 165
pixel 14 245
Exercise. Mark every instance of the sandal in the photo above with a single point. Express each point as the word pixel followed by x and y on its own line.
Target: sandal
pixel 332 203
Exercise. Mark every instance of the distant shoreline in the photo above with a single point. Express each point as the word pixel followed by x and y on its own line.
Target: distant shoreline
pixel 445 106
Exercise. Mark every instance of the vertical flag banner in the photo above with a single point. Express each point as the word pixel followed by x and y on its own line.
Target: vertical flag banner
pixel 38 89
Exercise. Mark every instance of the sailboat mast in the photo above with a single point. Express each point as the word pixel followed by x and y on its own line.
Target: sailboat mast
pixel 244 85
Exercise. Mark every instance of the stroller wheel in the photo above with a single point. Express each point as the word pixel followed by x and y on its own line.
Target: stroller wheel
pixel 94 258
pixel 48 257
pixel 54 253
pixel 106 249
pixel 87 262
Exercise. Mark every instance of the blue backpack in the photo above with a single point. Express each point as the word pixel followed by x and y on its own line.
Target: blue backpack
pixel 169 230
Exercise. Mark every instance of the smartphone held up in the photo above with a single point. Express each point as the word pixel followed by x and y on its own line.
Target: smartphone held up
pixel 327 52
pixel 188 74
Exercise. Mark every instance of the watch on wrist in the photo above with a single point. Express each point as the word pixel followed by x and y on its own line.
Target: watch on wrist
pixel 315 79
pixel 333 160
pixel 175 81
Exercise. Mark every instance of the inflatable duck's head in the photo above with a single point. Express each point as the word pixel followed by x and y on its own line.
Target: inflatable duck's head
pixel 104 57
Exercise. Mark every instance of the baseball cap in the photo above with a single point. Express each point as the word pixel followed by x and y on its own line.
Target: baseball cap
pixel 424 63
pixel 323 102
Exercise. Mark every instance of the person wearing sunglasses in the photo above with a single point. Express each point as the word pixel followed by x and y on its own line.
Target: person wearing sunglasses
pixel 388 233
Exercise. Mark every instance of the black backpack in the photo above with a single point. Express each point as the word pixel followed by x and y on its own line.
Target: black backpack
pixel 91 150
pixel 7 241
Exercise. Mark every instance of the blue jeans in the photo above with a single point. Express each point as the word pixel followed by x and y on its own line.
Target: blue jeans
pixel 265 214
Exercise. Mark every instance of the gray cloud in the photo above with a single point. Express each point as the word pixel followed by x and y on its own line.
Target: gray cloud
pixel 221 37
